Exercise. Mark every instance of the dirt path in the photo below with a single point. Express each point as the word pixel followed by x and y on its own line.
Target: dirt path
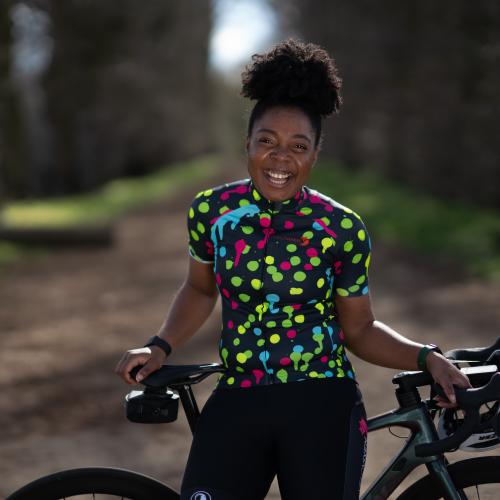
pixel 66 318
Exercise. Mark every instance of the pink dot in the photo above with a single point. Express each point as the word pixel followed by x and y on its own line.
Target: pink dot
pixel 230 324
pixel 246 383
pixel 265 222
pixel 296 307
pixel 225 292
pixel 285 266
pixel 311 252
pixel 288 224
pixel 234 305
pixel 258 374
pixel 218 279
pixel 291 334
pixel 285 361
pixel 324 359
pixel 341 335
pixel 308 267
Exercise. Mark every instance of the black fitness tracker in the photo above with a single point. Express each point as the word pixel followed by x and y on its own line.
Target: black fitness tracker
pixel 422 355
pixel 161 343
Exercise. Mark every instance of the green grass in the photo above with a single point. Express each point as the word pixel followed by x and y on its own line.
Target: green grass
pixel 468 235
pixel 102 205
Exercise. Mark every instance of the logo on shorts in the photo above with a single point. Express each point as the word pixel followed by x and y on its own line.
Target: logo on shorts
pixel 200 495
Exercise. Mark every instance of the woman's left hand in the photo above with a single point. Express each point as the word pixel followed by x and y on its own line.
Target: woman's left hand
pixel 446 375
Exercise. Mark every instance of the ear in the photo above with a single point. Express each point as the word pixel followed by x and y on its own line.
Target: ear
pixel 247 144
pixel 315 156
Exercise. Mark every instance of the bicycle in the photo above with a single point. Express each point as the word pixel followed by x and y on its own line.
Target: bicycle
pixel 159 403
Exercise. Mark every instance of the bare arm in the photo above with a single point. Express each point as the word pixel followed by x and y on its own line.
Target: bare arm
pixel 190 308
pixel 376 343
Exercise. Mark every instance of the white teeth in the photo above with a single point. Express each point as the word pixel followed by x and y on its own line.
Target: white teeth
pixel 277 175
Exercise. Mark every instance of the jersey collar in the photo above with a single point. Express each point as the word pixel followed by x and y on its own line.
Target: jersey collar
pixel 276 206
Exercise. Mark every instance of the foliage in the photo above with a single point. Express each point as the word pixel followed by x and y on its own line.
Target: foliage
pixel 467 234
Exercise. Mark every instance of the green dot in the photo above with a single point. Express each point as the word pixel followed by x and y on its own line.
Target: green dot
pixel 191 212
pixel 260 342
pixel 326 220
pixel 241 358
pixel 246 249
pixel 256 195
pixel 203 207
pixel 295 356
pixel 223 209
pixel 296 291
pixel 320 282
pixel 241 329
pixel 299 318
pixel 236 281
pixel 271 269
pixel 277 277
pixel 308 234
pixel 342 292
pixel 361 235
pixel 357 258
pixel 291 247
pixel 361 280
pixel 348 246
pixel 286 323
pixel 240 369
pixel 229 264
pixel 244 203
pixel 236 342
pixel 306 210
pixel 246 324
pixel 353 288
pixel 252 265
pixel 315 261
pixel 251 318
pixel 271 324
pixel 200 227
pixel 194 235
pixel 288 309
pixel 248 353
pixel 299 276
pixel 295 260
pixel 247 229
pixel 244 297
pixel 313 374
pixel 230 381
pixel 346 223
pixel 257 284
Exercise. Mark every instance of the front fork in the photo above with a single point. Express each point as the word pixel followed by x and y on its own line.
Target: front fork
pixel 439 471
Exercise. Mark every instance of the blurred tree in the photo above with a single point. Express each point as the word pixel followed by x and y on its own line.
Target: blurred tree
pixel 421 89
pixel 125 90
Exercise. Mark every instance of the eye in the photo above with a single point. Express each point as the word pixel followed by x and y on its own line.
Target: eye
pixel 302 147
pixel 264 140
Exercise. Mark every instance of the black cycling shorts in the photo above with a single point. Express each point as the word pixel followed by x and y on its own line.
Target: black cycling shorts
pixel 311 434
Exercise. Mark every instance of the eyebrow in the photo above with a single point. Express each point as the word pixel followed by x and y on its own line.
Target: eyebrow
pixel 296 136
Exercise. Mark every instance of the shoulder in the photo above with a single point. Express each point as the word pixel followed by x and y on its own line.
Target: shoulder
pixel 213 198
pixel 343 215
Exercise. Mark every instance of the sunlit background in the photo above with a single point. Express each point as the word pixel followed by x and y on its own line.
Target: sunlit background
pixel 113 114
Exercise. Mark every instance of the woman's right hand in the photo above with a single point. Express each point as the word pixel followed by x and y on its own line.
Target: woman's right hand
pixel 151 357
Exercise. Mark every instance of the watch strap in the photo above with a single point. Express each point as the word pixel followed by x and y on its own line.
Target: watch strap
pixel 161 343
pixel 422 355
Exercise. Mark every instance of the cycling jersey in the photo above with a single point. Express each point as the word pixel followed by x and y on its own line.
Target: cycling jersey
pixel 278 267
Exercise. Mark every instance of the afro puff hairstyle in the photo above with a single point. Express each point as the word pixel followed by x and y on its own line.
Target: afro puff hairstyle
pixel 293 74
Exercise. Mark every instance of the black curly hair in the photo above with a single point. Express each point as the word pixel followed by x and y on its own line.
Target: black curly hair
pixel 293 74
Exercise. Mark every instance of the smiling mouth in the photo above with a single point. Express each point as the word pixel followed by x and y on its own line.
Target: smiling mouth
pixel 277 178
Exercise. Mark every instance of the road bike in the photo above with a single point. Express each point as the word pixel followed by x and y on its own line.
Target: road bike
pixel 479 412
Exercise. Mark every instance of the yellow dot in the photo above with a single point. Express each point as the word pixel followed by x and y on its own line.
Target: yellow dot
pixel 361 235
pixel 296 291
pixel 320 282
pixel 241 329
pixel 269 259
pixel 274 338
pixel 299 318
pixel 230 381
pixel 241 357
pixel 256 284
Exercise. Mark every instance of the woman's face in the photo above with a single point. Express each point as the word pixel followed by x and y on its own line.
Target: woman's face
pixel 281 152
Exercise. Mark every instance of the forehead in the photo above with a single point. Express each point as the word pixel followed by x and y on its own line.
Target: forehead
pixel 285 120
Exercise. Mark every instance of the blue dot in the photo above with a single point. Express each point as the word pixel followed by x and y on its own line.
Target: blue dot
pixel 350 374
pixel 334 348
pixel 329 373
pixel 298 348
pixel 222 251
pixel 272 297
pixel 330 330
pixel 365 290
pixel 264 356
pixel 317 329
pixel 257 331
pixel 317 226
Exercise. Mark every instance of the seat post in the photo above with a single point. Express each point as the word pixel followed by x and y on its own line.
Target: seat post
pixel 189 404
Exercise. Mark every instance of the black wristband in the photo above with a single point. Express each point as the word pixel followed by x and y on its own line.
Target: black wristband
pixel 161 343
pixel 422 355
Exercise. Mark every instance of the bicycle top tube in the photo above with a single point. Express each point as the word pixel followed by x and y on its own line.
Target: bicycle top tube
pixel 178 375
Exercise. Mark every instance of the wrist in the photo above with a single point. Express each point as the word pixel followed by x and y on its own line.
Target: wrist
pixel 160 343
pixel 423 354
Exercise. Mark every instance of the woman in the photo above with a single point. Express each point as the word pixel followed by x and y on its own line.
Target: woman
pixel 290 265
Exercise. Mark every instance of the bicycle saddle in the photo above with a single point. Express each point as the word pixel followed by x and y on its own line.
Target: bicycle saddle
pixel 178 375
pixel 479 354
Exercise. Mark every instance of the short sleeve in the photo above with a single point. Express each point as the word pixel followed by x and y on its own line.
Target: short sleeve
pixel 353 258
pixel 198 222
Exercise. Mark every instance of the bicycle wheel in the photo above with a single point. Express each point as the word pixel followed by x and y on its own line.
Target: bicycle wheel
pixel 95 483
pixel 478 478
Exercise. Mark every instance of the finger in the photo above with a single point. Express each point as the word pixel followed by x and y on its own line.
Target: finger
pixel 449 392
pixel 132 363
pixel 147 369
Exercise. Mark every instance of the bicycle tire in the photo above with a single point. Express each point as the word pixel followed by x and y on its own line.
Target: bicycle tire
pixel 467 473
pixel 95 480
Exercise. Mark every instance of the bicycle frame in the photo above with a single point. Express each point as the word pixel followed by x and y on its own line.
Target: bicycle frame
pixel 419 422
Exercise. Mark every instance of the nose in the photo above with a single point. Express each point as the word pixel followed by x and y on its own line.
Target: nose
pixel 279 153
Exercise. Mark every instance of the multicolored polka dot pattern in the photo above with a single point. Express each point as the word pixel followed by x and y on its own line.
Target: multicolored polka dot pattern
pixel 278 267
